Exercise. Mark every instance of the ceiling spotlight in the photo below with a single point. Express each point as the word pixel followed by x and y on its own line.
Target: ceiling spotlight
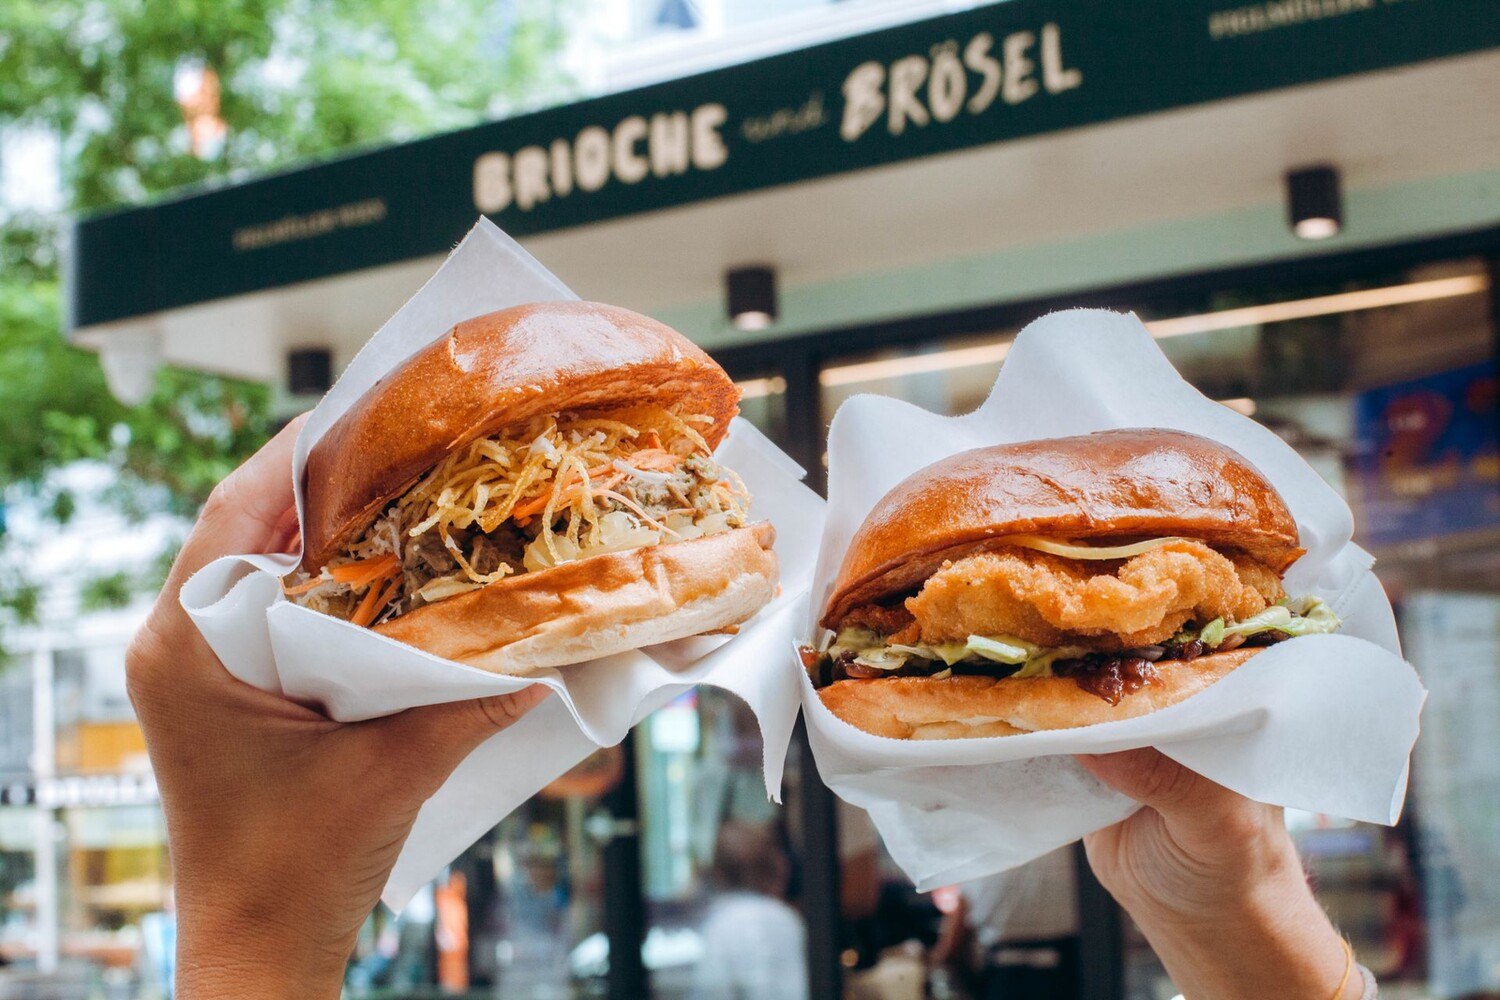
pixel 752 297
pixel 309 371
pixel 1315 209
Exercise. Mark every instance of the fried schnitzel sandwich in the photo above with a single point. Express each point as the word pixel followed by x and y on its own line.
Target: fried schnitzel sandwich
pixel 536 488
pixel 1058 583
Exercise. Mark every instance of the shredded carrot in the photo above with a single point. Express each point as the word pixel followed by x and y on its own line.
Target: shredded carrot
pixel 355 574
pixel 303 588
pixel 531 507
pixel 364 579
pixel 376 599
pixel 536 505
pixel 374 567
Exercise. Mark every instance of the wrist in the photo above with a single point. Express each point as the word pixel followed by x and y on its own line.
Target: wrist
pixel 1274 941
pixel 219 973
pixel 1249 886
pixel 242 952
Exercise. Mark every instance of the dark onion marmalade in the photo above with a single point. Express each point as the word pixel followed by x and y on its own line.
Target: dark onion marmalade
pixel 1108 677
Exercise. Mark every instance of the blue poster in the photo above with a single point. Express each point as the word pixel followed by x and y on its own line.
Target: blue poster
pixel 1427 459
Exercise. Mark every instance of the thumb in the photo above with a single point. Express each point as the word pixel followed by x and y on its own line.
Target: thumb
pixel 1159 782
pixel 249 511
pixel 451 731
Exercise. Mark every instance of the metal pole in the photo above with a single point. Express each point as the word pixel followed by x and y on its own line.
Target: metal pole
pixel 1101 939
pixel 43 768
pixel 821 883
pixel 1492 268
pixel 804 416
pixel 821 875
pixel 625 914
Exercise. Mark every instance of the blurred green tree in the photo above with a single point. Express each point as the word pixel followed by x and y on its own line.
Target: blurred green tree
pixel 298 79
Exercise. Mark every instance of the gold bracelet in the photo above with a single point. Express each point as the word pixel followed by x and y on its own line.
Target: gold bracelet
pixel 1348 968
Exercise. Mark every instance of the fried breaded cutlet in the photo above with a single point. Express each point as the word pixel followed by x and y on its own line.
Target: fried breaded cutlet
pixel 1053 601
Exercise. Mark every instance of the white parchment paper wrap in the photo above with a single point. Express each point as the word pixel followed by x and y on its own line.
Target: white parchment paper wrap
pixel 356 674
pixel 1324 723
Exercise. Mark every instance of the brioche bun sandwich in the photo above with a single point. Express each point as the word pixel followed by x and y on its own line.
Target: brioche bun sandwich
pixel 1057 583
pixel 536 488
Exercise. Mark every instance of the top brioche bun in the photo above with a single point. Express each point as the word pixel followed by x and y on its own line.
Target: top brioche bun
pixel 1132 482
pixel 501 368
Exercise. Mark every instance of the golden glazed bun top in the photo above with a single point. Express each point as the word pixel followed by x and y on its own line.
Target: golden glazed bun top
pixel 487 372
pixel 1134 482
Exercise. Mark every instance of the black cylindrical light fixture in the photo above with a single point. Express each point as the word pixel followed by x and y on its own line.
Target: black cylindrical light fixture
pixel 752 297
pixel 309 371
pixel 1315 208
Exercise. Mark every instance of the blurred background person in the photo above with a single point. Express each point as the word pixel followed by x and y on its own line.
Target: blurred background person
pixel 1016 932
pixel 753 942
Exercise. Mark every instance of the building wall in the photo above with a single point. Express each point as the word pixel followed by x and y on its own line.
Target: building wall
pixel 1373 216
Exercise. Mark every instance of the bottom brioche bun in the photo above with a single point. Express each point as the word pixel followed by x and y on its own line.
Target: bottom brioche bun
pixel 599 606
pixel 920 708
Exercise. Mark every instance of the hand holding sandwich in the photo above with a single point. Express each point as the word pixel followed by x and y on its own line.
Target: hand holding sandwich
pixel 283 824
pixel 1213 881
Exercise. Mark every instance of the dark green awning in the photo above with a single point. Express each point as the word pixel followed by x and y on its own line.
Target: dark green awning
pixel 998 72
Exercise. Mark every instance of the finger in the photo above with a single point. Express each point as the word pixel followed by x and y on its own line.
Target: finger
pixel 1156 780
pixel 243 512
pixel 286 536
pixel 452 731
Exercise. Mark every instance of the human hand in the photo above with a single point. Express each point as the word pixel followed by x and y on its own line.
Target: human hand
pixel 283 825
pixel 1213 881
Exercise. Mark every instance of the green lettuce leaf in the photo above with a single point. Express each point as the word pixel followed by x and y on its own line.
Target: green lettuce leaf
pixel 1001 649
pixel 1315 618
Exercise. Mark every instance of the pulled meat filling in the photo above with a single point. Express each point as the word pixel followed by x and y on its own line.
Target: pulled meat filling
pixel 531 496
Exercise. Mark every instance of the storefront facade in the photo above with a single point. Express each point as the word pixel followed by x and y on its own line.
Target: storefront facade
pixel 921 193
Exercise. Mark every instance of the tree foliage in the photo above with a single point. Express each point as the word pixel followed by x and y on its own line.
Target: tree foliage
pixel 299 79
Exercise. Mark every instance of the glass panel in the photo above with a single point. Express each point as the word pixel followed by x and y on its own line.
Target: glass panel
pixel 95 873
pixel 15 717
pixel 518 914
pixel 18 836
pixel 96 728
pixel 650 20
pixel 115 895
pixel 719 861
pixel 1387 387
pixel 1454 638
pixel 763 403
pixel 953 375
pixel 545 919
